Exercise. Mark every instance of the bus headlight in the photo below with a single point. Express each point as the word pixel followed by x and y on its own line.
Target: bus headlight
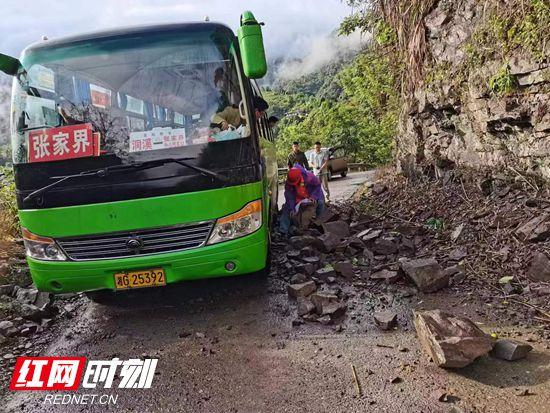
pixel 239 224
pixel 42 248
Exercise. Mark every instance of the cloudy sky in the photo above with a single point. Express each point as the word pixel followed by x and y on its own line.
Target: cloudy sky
pixel 290 24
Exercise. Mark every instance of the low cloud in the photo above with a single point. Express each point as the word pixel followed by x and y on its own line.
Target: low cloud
pixel 290 25
pixel 321 51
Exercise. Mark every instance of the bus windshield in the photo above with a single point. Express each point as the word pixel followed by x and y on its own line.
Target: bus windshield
pixel 135 97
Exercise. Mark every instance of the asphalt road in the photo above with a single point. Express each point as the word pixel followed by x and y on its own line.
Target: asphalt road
pixel 230 345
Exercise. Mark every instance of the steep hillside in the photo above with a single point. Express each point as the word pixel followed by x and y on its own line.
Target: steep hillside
pixel 475 81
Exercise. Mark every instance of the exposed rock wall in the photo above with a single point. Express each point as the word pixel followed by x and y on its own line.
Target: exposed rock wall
pixel 454 118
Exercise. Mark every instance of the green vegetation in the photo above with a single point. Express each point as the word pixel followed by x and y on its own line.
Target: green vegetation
pixel 521 24
pixel 361 116
pixel 503 81
pixel 353 105
pixel 9 223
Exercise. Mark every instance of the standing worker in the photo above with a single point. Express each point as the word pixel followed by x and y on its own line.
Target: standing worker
pixel 297 156
pixel 318 160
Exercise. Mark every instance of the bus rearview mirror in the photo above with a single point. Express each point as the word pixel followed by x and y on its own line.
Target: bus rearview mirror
pixel 252 46
pixel 9 65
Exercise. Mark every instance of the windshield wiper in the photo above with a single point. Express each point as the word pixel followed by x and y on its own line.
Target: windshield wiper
pixel 35 128
pixel 103 172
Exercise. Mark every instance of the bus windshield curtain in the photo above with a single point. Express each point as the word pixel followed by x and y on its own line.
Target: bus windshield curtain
pixel 82 92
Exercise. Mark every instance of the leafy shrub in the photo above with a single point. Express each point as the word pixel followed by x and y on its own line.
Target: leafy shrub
pixel 503 81
pixel 9 222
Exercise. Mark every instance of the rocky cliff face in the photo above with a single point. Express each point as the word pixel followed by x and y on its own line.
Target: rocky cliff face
pixel 489 113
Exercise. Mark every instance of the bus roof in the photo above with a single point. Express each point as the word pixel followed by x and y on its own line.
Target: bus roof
pixel 129 32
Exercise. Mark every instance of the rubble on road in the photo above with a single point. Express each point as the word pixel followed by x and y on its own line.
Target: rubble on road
pixel 427 274
pixel 451 341
pixel 301 290
pixel 386 320
pixel 540 268
pixel 25 315
pixel 510 350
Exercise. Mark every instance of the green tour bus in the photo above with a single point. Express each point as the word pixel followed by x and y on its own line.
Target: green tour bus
pixel 141 157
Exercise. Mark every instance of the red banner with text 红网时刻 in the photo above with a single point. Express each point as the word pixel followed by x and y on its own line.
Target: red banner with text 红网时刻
pixel 66 142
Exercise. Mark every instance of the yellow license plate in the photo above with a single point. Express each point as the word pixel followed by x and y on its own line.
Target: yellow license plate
pixel 140 279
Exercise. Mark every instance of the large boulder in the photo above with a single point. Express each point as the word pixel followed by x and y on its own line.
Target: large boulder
pixel 426 273
pixel 451 341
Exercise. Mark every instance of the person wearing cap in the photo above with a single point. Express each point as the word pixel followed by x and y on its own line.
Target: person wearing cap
pixel 303 196
pixel 232 116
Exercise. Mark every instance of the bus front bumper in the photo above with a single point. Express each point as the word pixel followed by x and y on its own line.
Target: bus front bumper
pixel 248 253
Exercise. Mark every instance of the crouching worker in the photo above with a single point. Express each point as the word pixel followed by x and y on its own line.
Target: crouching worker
pixel 304 199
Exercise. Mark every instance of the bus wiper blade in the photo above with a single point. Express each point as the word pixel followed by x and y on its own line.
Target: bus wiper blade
pixel 181 161
pixel 61 179
pixel 35 128
pixel 103 172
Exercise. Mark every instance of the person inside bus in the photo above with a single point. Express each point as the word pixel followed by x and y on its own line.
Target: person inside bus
pixel 304 199
pixel 221 85
pixel 231 116
pixel 272 122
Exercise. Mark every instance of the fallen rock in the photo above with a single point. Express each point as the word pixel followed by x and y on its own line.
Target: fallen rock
pixel 33 313
pixel 372 235
pixel 25 295
pixel 344 269
pixel 535 230
pixel 386 320
pixel 510 350
pixel 427 274
pixel 306 268
pixel 451 341
pixel 315 261
pixel 327 303
pixel 305 306
pixel 387 276
pixel 339 229
pixel 540 268
pixel 302 289
pixel 324 273
pixel 298 279
pixel 327 215
pixel 385 246
pixel 329 242
pixel 6 327
pixel 379 189
pixel 301 241
pixel 6 289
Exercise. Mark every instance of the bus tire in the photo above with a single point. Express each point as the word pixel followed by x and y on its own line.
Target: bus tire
pixel 343 174
pixel 264 272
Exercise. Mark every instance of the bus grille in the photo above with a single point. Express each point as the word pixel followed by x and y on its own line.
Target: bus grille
pixel 136 243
